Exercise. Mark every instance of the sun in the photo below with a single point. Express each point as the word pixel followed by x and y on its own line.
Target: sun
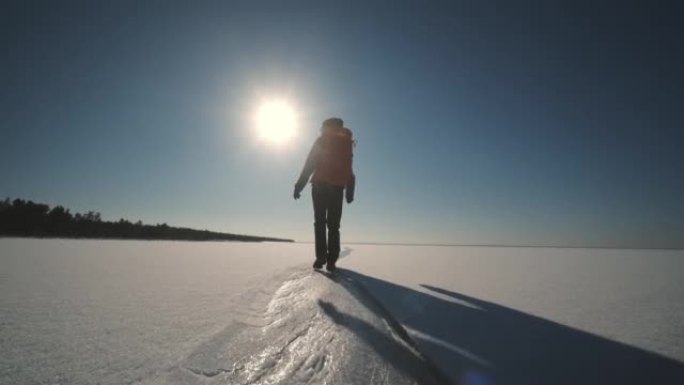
pixel 276 121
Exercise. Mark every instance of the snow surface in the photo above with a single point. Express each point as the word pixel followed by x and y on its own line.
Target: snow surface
pixel 112 312
pixel 535 315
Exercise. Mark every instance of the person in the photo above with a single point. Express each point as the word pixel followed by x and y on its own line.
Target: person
pixel 330 162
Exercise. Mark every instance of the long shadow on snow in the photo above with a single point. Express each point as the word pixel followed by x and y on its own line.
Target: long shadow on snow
pixel 479 342
pixel 389 349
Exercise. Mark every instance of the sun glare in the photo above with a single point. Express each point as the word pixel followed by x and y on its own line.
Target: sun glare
pixel 276 121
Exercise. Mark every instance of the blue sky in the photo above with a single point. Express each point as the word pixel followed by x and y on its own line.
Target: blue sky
pixel 542 123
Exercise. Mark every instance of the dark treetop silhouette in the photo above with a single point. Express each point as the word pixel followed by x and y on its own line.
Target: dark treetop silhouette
pixel 28 219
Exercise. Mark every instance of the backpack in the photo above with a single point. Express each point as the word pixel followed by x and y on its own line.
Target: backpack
pixel 335 158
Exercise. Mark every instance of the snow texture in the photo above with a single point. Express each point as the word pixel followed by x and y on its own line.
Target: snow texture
pixel 136 312
pixel 489 315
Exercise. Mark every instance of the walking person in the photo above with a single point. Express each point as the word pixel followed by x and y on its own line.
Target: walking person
pixel 330 162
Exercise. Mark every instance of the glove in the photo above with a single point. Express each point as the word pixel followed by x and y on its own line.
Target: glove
pixel 298 189
pixel 350 195
pixel 350 188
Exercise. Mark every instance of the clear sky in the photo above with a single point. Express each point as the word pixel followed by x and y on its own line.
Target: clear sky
pixel 543 123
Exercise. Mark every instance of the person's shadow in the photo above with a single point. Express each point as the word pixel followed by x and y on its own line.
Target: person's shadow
pixel 479 342
pixel 404 361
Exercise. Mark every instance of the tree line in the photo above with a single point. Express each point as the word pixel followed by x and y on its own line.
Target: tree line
pixel 20 218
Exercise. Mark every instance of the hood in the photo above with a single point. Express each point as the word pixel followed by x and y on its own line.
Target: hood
pixel 342 131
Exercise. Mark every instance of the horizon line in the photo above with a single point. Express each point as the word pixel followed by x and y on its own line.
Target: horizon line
pixel 503 245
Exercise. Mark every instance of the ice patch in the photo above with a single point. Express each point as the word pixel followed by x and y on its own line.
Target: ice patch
pixel 314 330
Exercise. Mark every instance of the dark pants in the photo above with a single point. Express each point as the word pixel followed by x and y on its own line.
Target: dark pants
pixel 327 202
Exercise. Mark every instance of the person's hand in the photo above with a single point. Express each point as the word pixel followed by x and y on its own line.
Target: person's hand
pixel 350 197
pixel 298 189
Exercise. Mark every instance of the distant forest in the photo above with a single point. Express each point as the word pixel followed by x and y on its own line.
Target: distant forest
pixel 21 218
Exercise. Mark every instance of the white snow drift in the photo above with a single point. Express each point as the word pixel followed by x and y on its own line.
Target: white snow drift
pixel 111 312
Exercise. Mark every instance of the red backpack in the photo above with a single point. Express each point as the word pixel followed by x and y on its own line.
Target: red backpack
pixel 335 158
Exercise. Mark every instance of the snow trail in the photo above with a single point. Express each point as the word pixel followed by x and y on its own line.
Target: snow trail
pixel 314 329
